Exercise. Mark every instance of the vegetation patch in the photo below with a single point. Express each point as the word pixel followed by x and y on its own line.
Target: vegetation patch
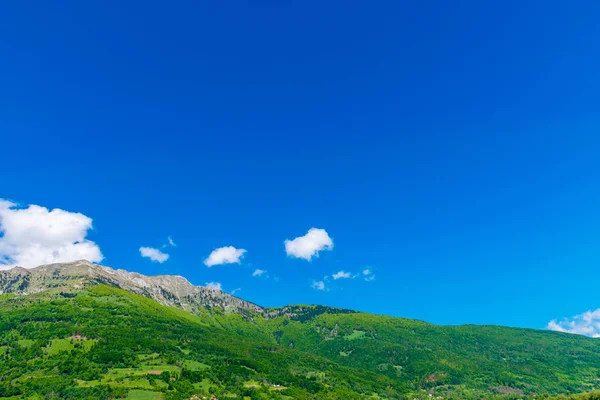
pixel 143 395
pixel 57 345
pixel 195 365
pixel 356 335
pixel 204 386
pixel 25 343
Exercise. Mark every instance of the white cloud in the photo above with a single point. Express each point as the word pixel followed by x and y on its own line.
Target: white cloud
pixel 214 286
pixel 154 254
pixel 368 275
pixel 234 291
pixel 587 324
pixel 171 242
pixel 341 275
pixel 259 272
pixel 34 235
pixel 319 285
pixel 224 255
pixel 309 245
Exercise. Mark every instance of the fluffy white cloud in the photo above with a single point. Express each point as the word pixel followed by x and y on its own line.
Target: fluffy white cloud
pixel 154 254
pixel 259 272
pixel 319 285
pixel 224 255
pixel 214 286
pixel 34 235
pixel 587 324
pixel 341 275
pixel 309 245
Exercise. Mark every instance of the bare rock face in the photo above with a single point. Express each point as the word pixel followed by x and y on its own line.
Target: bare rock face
pixel 170 290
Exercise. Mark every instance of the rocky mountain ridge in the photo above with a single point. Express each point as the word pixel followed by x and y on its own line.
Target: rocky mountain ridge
pixel 170 290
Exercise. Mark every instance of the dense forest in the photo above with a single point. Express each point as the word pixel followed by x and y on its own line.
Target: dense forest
pixel 104 342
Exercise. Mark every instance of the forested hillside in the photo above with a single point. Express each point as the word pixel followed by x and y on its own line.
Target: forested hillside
pixel 96 341
pixel 438 359
pixel 105 342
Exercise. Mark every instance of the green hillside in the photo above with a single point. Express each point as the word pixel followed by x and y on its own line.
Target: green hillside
pixel 104 342
pixel 445 360
pixel 427 356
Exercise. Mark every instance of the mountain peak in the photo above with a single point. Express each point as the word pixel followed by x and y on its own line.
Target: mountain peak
pixel 170 290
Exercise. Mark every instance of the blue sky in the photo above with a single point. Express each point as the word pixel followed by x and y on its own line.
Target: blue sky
pixel 451 148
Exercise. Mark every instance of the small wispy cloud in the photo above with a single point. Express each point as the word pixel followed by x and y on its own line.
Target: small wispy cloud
pixel 341 275
pixel 587 324
pixel 234 291
pixel 259 272
pixel 368 274
pixel 309 245
pixel 154 254
pixel 170 243
pixel 318 285
pixel 214 286
pixel 224 255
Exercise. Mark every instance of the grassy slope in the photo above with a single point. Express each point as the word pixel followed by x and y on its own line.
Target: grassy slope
pixel 102 343
pixel 487 358
pixel 319 354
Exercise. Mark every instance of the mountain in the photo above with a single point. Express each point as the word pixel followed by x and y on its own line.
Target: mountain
pixel 80 330
pixel 169 290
